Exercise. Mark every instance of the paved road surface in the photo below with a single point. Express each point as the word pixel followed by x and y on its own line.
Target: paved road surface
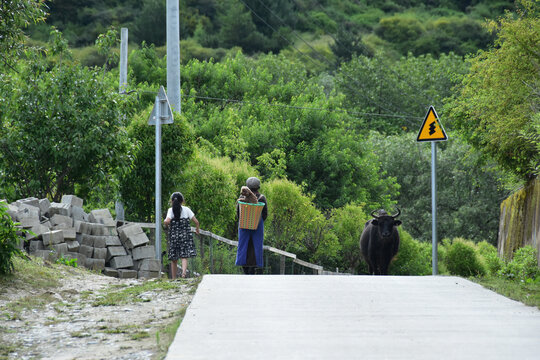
pixel 353 317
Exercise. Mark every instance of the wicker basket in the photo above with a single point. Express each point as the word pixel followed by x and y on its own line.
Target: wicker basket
pixel 250 215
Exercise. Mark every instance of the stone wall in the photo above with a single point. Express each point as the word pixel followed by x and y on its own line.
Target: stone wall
pixel 519 224
pixel 97 242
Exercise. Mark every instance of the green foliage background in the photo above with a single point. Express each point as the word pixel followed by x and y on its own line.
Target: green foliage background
pixel 321 100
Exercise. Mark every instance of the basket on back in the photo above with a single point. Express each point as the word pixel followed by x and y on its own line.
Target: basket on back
pixel 250 215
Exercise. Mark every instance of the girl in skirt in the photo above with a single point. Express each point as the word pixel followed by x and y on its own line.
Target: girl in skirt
pixel 180 238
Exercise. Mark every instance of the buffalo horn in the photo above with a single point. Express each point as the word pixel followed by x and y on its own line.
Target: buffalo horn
pixel 398 212
pixel 373 214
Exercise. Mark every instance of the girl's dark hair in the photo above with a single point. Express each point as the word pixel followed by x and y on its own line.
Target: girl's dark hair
pixel 177 200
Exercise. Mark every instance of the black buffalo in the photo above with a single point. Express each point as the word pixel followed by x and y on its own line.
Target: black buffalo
pixel 380 241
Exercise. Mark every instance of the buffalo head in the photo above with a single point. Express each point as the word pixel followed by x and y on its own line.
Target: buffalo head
pixel 385 223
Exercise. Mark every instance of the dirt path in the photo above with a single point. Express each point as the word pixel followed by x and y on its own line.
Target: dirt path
pixel 90 316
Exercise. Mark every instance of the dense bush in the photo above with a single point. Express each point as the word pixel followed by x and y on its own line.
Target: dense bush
pixel 462 259
pixel 523 266
pixel 347 223
pixel 413 258
pixel 491 259
pixel 8 241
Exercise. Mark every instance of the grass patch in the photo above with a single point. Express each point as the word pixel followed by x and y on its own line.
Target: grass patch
pixel 6 349
pixel 165 337
pixel 14 309
pixel 116 295
pixel 525 292
pixel 79 334
pixel 140 335
pixel 35 273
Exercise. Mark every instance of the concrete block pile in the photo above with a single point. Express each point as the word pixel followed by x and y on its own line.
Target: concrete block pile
pixel 65 230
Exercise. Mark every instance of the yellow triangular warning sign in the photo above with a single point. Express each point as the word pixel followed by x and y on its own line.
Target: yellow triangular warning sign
pixel 431 129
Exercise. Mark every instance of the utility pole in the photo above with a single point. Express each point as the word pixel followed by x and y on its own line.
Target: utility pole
pixel 123 60
pixel 173 54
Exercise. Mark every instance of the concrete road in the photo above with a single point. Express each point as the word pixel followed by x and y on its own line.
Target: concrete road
pixel 353 317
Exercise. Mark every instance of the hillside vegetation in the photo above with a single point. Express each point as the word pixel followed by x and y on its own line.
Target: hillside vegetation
pixel 321 100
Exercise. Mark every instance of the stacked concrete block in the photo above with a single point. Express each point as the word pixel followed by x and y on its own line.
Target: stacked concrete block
pixel 132 236
pixel 32 201
pixel 149 268
pixel 102 216
pixel 136 242
pixel 53 237
pixel 65 229
pixel 72 200
pixel 28 215
pixel 44 206
pixel 59 208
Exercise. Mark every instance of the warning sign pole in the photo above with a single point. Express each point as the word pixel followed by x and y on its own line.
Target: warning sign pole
pixel 434 255
pixel 433 131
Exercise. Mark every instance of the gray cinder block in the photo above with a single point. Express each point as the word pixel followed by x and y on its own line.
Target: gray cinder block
pixel 127 274
pixel 58 219
pixel 86 250
pixel 36 231
pixel 100 241
pixel 151 265
pixel 87 240
pixel 136 240
pixel 97 229
pixel 60 208
pixel 52 237
pixel 73 246
pixel 72 200
pixel 44 206
pixel 100 253
pixel 101 216
pixel 122 262
pixel 112 241
pixel 127 230
pixel 77 213
pixel 144 252
pixel 113 251
pixel 35 245
pixel 28 222
pixel 148 274
pixel 60 248
pixel 108 271
pixel 69 234
pixel 95 264
pixel 32 201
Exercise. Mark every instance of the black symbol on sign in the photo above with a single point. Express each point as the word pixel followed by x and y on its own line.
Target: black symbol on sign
pixel 432 128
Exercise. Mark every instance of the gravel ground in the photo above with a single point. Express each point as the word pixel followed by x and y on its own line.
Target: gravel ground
pixel 91 316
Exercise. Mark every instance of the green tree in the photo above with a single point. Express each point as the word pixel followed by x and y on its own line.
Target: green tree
pixel 137 186
pixel 347 224
pixel 9 240
pixel 237 27
pixel 62 128
pixel 496 104
pixel 294 224
pixel 468 189
pixel 15 16
pixel 395 94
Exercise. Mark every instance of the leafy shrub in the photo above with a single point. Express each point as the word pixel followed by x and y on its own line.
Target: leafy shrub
pixel 413 257
pixel 523 267
pixel 67 262
pixel 347 224
pixel 491 259
pixel 462 259
pixel 8 241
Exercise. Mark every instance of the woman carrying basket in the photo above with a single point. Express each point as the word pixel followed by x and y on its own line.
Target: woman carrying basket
pixel 250 241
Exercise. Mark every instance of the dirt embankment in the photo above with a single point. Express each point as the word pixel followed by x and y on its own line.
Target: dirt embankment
pixel 50 311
